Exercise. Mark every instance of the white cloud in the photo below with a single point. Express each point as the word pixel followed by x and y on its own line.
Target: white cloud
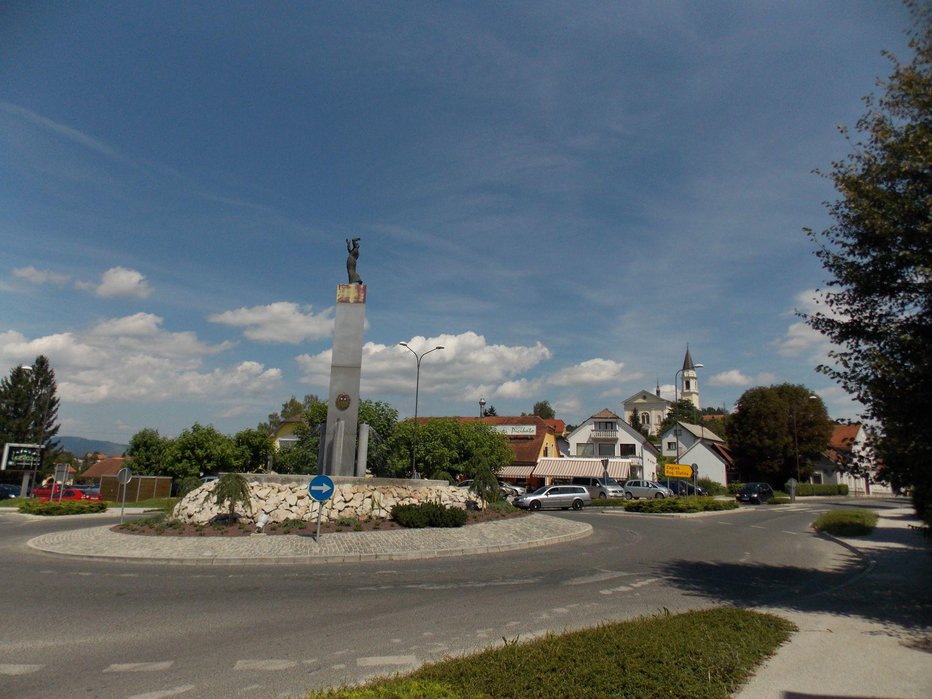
pixel 467 366
pixel 592 372
pixel 521 388
pixel 119 282
pixel 732 377
pixel 135 359
pixel 40 276
pixel 801 339
pixel 281 321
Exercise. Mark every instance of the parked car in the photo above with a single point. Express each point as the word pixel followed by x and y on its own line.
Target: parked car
pixel 512 488
pixel 684 488
pixel 646 489
pixel 69 494
pixel 505 489
pixel 9 491
pixel 555 497
pixel 755 493
pixel 600 487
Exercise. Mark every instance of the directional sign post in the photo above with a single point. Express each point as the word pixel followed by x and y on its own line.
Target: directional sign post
pixel 321 490
pixel 678 471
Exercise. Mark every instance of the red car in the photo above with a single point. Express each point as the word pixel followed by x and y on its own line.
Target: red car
pixel 46 494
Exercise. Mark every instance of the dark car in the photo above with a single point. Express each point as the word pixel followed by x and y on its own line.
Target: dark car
pixel 684 488
pixel 755 493
pixel 8 491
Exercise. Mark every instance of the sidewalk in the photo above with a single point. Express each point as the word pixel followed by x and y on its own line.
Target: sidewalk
pixel 396 544
pixel 870 638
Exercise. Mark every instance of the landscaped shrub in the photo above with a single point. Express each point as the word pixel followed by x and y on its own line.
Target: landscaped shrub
pixel 703 504
pixel 502 507
pixel 428 514
pixel 52 509
pixel 712 487
pixel 846 522
pixel 733 488
pixel 807 489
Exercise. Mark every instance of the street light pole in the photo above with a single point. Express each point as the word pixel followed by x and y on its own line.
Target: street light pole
pixel 417 388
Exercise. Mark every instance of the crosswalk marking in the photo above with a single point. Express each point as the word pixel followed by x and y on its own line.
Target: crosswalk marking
pixel 140 667
pixel 19 669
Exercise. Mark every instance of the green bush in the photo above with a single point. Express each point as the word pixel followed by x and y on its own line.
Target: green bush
pixel 502 507
pixel 808 489
pixel 443 476
pixel 846 522
pixel 712 487
pixel 428 514
pixel 703 504
pixel 66 507
pixel 608 502
pixel 733 488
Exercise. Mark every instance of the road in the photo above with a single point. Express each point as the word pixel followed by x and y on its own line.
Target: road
pixel 73 628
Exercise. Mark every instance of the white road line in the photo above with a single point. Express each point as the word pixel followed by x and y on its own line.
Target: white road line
pixel 601 576
pixel 757 526
pixel 270 664
pixel 173 692
pixel 140 667
pixel 793 533
pixel 14 669
pixel 386 660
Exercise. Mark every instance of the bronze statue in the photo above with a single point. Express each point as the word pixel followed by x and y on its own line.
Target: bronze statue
pixel 353 250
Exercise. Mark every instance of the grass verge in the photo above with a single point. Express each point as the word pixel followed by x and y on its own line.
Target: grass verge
pixel 702 655
pixel 846 522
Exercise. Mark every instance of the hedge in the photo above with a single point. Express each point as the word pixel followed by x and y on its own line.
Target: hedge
pixel 53 509
pixel 428 514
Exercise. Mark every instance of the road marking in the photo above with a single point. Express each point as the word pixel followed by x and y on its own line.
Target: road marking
pixel 601 576
pixel 757 526
pixel 265 665
pixel 630 587
pixel 788 532
pixel 13 669
pixel 173 692
pixel 386 660
pixel 140 667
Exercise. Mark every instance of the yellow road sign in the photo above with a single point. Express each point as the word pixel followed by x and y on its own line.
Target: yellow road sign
pixel 678 471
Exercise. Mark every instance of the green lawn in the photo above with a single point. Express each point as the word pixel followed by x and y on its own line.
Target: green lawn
pixel 700 655
pixel 846 522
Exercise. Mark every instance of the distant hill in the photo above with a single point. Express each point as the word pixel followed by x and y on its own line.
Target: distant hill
pixel 79 446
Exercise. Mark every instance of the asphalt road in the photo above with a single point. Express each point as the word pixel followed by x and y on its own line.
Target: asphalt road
pixel 73 628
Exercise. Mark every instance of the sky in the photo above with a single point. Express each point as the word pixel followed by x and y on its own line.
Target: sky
pixel 564 195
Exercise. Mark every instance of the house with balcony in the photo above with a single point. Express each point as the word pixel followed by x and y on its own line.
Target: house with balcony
pixel 607 435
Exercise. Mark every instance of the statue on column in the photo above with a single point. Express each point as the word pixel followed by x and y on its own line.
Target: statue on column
pixel 353 249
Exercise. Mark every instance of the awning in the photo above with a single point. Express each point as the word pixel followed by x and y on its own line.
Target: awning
pixel 619 469
pixel 515 472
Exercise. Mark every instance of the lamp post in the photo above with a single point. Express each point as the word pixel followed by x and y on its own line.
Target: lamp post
pixel 417 387
pixel 676 400
pixel 481 407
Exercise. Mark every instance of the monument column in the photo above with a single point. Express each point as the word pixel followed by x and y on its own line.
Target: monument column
pixel 345 369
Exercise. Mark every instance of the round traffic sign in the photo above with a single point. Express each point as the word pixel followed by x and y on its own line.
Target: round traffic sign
pixel 321 488
pixel 124 476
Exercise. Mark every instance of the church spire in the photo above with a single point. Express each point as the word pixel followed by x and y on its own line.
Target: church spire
pixel 688 361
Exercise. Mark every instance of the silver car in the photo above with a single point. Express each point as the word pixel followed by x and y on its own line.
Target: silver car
pixel 555 497
pixel 646 489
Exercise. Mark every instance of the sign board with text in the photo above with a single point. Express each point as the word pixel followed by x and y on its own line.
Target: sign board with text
pixel 678 471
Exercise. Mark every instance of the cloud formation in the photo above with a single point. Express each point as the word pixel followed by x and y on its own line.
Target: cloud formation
pixel 119 282
pixel 281 321
pixel 40 276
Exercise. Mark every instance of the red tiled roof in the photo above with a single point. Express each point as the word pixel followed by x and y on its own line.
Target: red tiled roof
pixel 605 413
pixel 843 436
pixel 106 467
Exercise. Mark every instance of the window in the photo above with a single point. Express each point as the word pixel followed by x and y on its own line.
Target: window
pixel 605 427
pixel 606 450
pixel 671 446
pixel 586 449
pixel 686 385
pixel 629 449
pixel 645 418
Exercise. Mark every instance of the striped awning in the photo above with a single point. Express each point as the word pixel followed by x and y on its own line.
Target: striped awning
pixel 619 469
pixel 515 472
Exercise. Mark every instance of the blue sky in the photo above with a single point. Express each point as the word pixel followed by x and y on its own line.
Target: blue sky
pixel 562 194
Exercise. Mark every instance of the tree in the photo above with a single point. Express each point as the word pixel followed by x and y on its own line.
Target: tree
pixel 543 410
pixel 448 445
pixel 232 489
pixel 681 411
pixel 255 446
pixel 490 412
pixel 878 255
pixel 290 408
pixel 29 408
pixel 199 450
pixel 769 425
pixel 638 425
pixel 147 448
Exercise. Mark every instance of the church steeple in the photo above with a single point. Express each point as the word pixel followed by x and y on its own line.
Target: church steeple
pixel 690 388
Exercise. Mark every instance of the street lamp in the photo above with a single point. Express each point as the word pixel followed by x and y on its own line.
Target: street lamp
pixel 676 400
pixel 417 386
pixel 481 407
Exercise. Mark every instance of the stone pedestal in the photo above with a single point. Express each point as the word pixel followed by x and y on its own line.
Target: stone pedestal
pixel 345 368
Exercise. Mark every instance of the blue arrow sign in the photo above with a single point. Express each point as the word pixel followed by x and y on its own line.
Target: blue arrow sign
pixel 321 488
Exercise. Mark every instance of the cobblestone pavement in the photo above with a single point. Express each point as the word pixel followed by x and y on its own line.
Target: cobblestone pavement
pixel 488 537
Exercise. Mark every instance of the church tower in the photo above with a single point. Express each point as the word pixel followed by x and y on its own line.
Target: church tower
pixel 690 387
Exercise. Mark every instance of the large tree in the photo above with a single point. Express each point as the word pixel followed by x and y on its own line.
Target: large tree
pixel 775 428
pixel 544 410
pixel 448 445
pixel 681 411
pixel 29 407
pixel 147 449
pixel 878 254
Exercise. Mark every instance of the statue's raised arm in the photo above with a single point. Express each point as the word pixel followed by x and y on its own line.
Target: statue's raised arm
pixel 352 247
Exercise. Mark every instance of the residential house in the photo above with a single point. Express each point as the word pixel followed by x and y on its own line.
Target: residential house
pixel 285 433
pixel 690 444
pixel 848 450
pixel 607 435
